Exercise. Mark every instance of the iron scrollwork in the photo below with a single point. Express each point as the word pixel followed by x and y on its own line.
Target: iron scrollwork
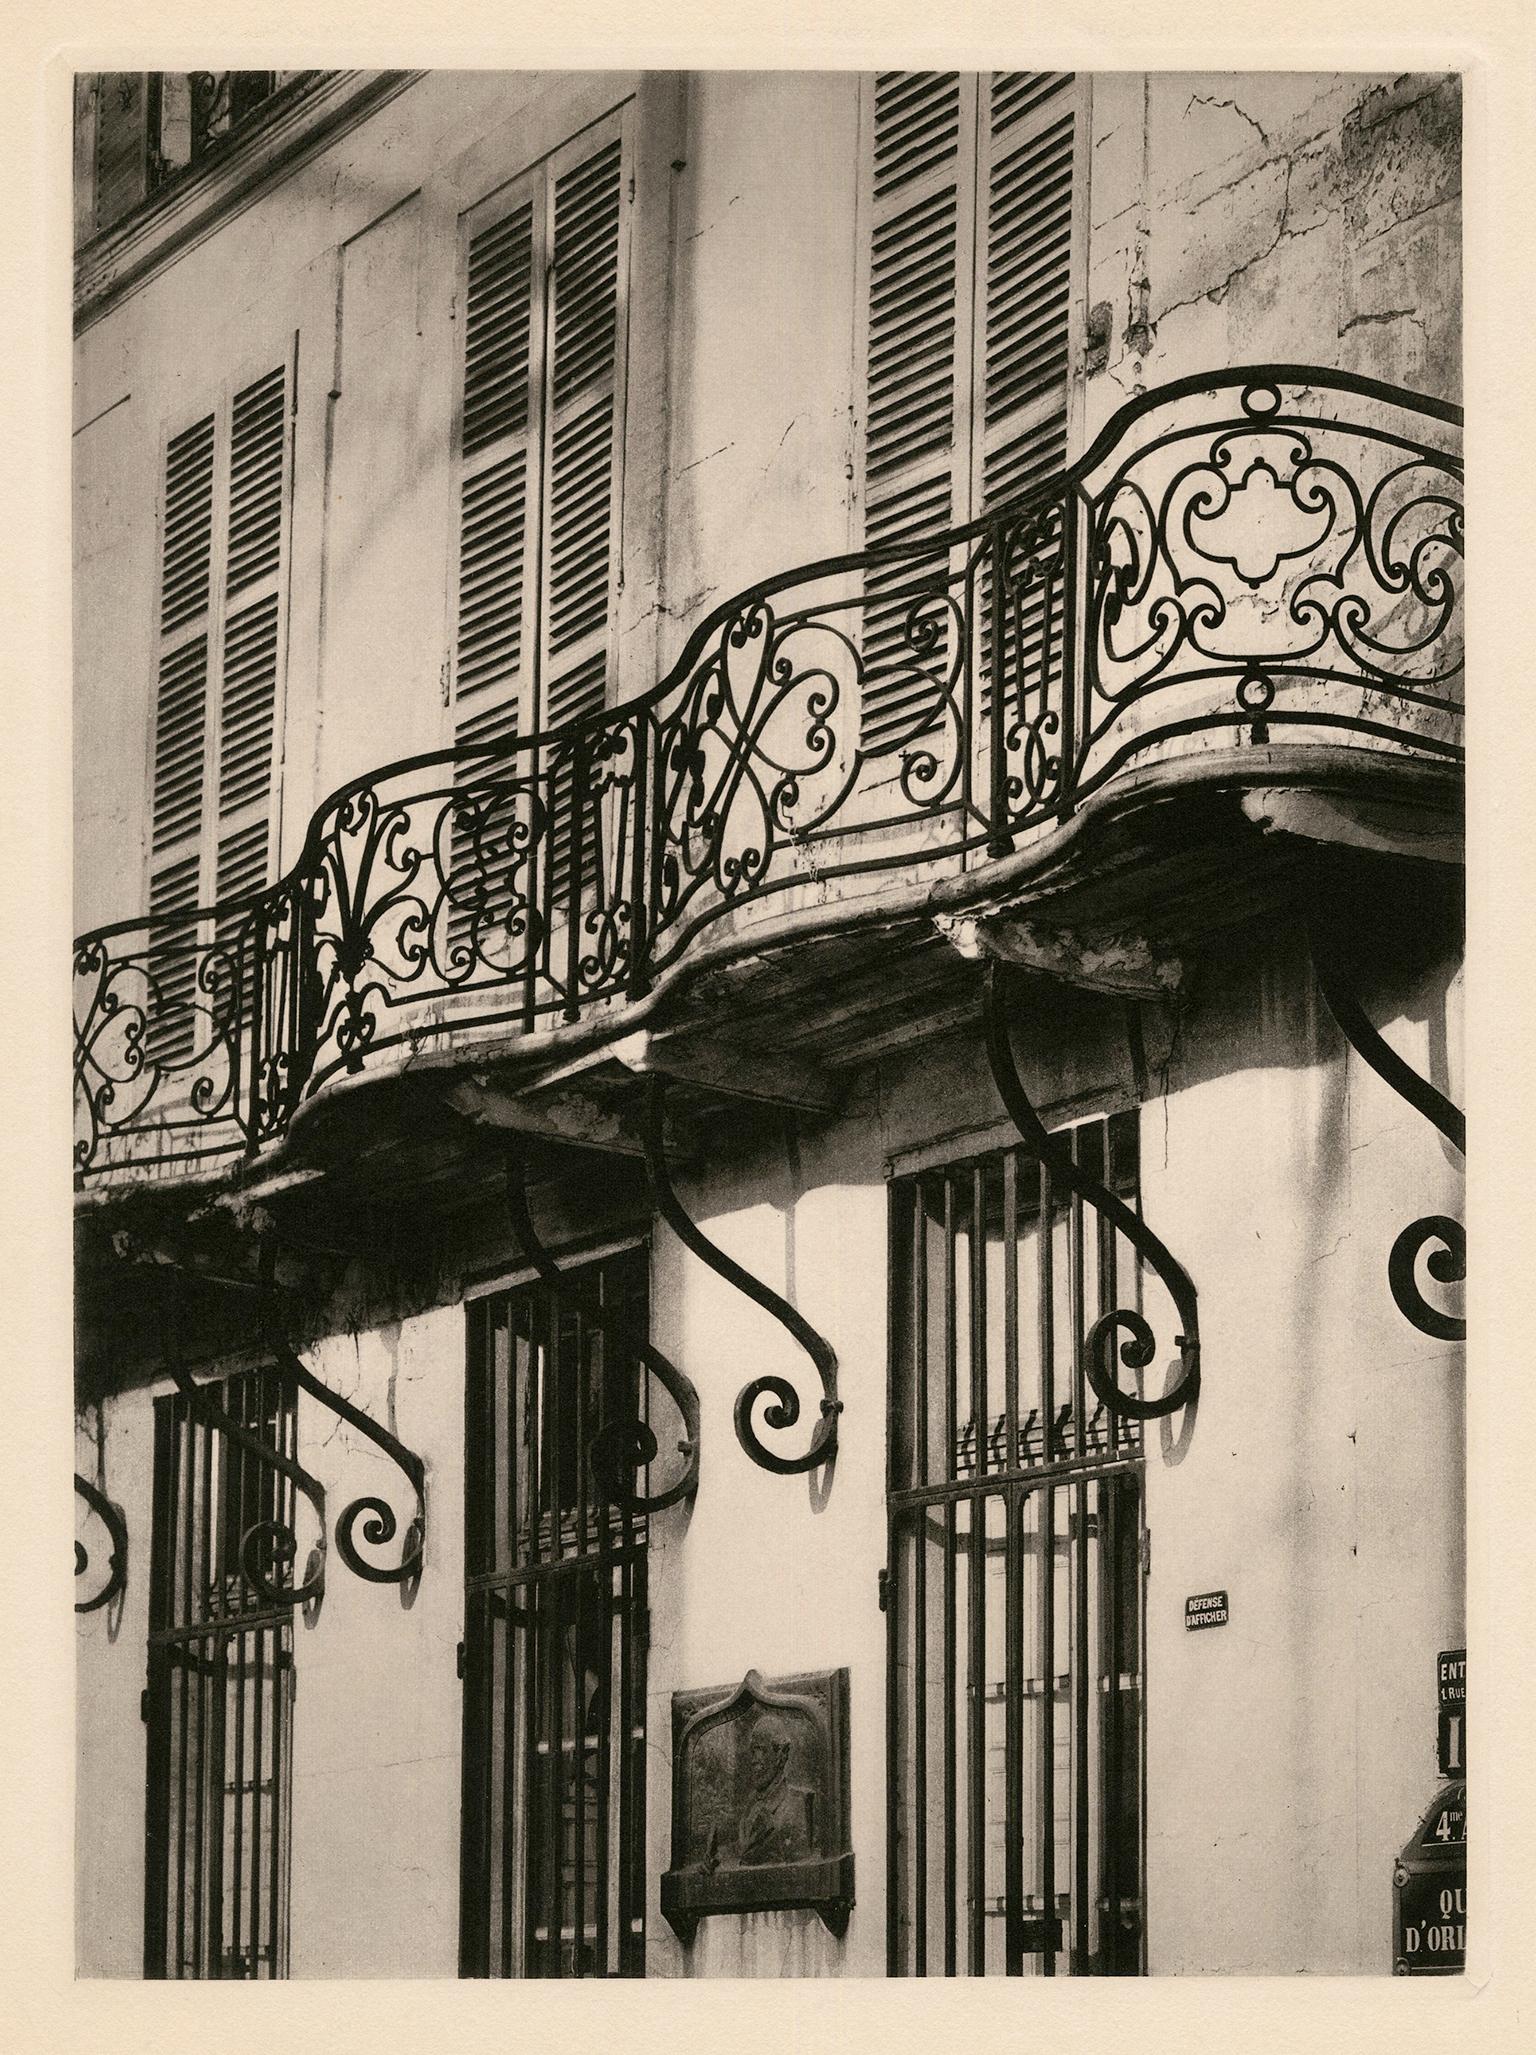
pixel 1438 1237
pixel 1140 1348
pixel 1258 552
pixel 624 1444
pixel 273 1540
pixel 380 1522
pixel 111 1517
pixel 783 1409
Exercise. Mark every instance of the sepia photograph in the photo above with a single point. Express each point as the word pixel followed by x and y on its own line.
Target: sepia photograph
pixel 768 1070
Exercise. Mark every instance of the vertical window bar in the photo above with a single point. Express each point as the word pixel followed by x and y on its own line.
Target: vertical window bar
pixel 258 1758
pixel 975 1608
pixel 920 1473
pixel 1046 1292
pixel 920 1713
pixel 198 1436
pixel 184 1457
pixel 901 1352
pixel 612 1619
pixel 503 1382
pixel 626 1753
pixel 951 1408
pixel 1078 1587
pixel 1013 1710
pixel 236 1929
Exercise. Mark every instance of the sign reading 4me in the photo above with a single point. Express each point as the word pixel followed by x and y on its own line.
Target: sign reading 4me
pixel 1429 1891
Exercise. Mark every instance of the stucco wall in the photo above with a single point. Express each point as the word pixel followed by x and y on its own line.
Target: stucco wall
pixel 1278 217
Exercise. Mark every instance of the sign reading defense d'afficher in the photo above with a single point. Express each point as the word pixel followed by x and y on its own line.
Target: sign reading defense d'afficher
pixel 1205 1609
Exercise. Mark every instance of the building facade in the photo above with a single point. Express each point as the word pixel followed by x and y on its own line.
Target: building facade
pixel 767 1039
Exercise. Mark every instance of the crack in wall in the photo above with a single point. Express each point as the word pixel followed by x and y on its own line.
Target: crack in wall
pixel 1210 100
pixel 1216 294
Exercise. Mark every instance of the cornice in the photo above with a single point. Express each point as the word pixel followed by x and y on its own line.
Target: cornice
pixel 280 138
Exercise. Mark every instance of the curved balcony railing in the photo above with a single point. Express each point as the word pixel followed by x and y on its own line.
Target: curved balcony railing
pixel 1263 555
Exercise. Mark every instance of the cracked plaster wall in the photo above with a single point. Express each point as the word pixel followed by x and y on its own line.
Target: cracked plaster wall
pixel 1277 217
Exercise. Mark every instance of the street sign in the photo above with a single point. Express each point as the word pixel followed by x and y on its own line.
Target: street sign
pixel 1429 1891
pixel 1451 1675
pixel 1205 1609
pixel 1452 1752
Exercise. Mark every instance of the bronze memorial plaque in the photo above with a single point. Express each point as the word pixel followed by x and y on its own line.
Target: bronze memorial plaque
pixel 760 1800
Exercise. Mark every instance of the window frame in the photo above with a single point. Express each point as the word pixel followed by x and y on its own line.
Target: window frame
pixel 537 180
pixel 252 368
pixel 204 1617
pixel 999 1470
pixel 546 1573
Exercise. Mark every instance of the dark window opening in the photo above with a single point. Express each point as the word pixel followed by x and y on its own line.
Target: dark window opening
pixel 1015 1693
pixel 553 1824
pixel 220 1699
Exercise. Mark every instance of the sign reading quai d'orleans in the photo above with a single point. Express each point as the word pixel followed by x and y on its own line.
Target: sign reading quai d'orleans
pixel 1429 1891
pixel 1205 1609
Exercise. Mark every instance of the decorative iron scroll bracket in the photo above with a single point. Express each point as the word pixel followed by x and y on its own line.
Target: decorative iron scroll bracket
pixel 622 1446
pixel 784 1409
pixel 381 1523
pixel 274 1538
pixel 111 1517
pixel 1138 1351
pixel 1443 1237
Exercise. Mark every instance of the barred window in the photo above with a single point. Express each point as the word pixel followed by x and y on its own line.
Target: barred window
pixel 1015 1699
pixel 553 1848
pixel 219 1706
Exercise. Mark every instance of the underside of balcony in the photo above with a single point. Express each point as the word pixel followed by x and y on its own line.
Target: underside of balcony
pixel 1213 671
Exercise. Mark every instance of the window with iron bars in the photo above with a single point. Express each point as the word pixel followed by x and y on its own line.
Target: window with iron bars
pixel 1015 1700
pixel 553 1823
pixel 219 1706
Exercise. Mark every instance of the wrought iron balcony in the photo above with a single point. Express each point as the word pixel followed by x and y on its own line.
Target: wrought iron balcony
pixel 1262 557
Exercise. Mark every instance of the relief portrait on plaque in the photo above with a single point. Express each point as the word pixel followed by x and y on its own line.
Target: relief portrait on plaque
pixel 759 1799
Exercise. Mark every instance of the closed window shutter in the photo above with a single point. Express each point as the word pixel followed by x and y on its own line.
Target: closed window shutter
pixel 582 421
pixel 1028 280
pixel 499 476
pixel 917 247
pixel 538 507
pixel 225 496
pixel 1025 336
pixel 181 724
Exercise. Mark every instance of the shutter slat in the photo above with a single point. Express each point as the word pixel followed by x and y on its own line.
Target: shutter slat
pixel 498 330
pixel 917 126
pixel 586 284
pixel 171 1030
pixel 910 387
pixel 180 715
pixel 256 481
pixel 1029 254
pixel 492 533
pixel 186 546
pixel 579 515
pixel 1017 93
pixel 248 705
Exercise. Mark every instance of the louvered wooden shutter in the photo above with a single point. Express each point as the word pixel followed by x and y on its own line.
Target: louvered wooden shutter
pixel 498 487
pixel 580 492
pixel 919 250
pixel 220 620
pixel 582 423
pixel 1031 148
pixel 181 722
pixel 1028 158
